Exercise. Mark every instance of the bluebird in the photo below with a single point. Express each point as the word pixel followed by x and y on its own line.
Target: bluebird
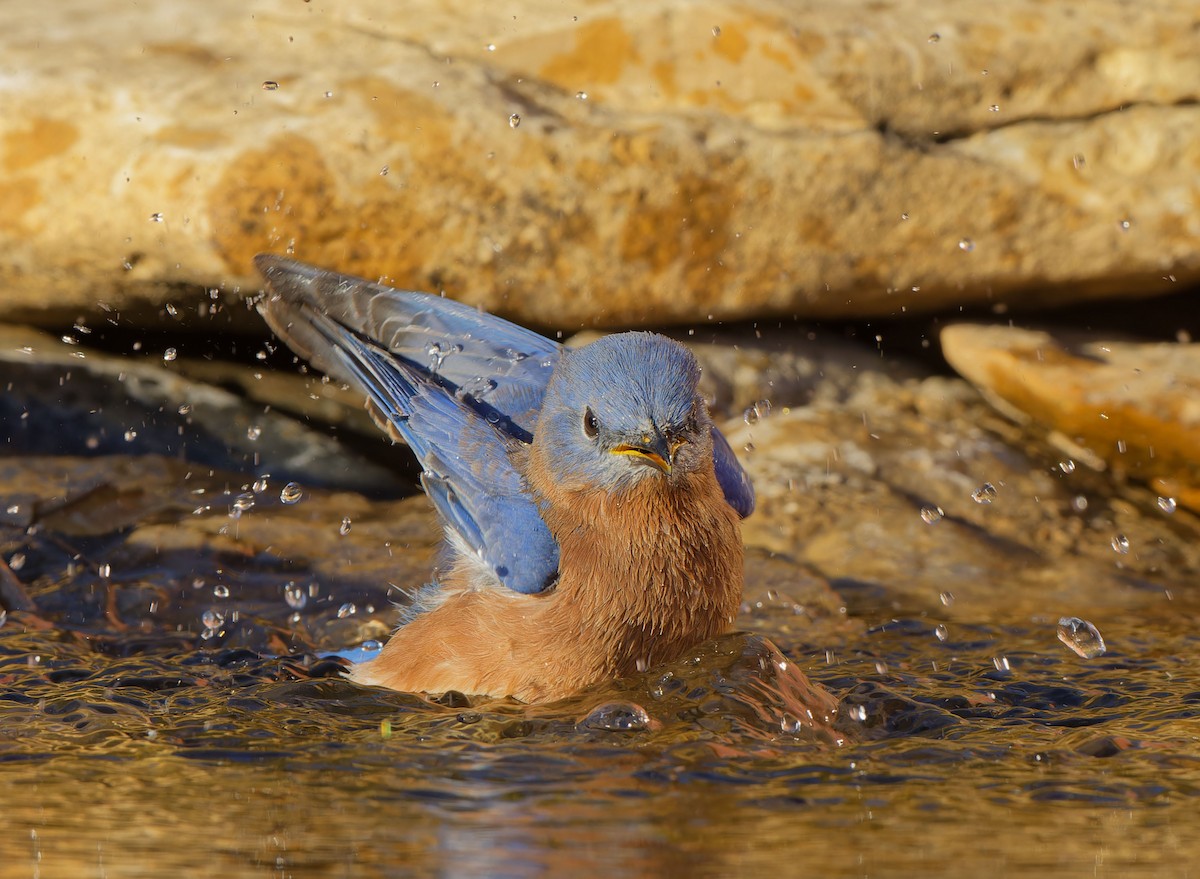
pixel 590 505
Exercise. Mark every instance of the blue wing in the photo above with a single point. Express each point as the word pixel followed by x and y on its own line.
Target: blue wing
pixel 734 482
pixel 467 470
pixel 493 367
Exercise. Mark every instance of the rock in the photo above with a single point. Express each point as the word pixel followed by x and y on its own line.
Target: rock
pixel 135 405
pixel 1131 408
pixel 912 497
pixel 635 163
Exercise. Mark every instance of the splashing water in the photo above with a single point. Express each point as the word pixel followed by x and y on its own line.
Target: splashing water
pixel 1081 636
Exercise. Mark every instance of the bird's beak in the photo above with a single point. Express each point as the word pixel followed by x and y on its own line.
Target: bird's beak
pixel 655 450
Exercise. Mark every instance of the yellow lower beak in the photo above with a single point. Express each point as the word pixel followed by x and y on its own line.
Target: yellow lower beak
pixel 650 456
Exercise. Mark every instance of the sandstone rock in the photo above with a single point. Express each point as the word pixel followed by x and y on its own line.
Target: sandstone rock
pixel 1132 408
pixel 908 497
pixel 615 164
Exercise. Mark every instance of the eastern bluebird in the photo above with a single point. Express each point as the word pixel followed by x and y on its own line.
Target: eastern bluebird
pixel 590 505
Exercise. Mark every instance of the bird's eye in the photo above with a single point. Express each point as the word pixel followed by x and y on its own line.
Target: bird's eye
pixel 591 427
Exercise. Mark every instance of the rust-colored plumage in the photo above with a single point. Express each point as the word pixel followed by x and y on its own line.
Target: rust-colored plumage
pixel 642 579
pixel 590 504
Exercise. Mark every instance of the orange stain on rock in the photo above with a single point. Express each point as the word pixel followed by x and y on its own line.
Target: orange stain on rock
pixel 732 43
pixel 280 196
pixel 601 52
pixel 189 137
pixel 42 139
pixel 664 74
pixel 783 59
pixel 17 196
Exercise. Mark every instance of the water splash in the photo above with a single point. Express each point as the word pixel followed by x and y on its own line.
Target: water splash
pixel 1081 636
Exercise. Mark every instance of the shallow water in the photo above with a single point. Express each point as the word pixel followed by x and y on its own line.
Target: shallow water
pixel 142 743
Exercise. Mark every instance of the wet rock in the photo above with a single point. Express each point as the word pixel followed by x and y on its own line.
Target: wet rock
pixel 1130 408
pixel 914 496
pixel 131 406
pixel 145 544
pixel 636 163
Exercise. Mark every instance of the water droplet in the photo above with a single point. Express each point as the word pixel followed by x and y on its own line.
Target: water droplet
pixel 328 94
pixel 295 596
pixel 1079 503
pixel 1167 505
pixel 16 561
pixel 105 571
pixel 966 245
pixel 437 356
pixel 941 632
pixel 13 509
pixel 716 31
pixel 253 432
pixel 243 502
pixel 1120 544
pixel 790 724
pixel 170 354
pixel 3 617
pixel 371 646
pixel 1125 225
pixel 221 591
pixel 260 484
pixel 478 387
pixel 616 717
pixel 985 494
pixel 934 37
pixel 946 598
pixel 931 514
pixel 185 408
pixel 1081 636
pixel 1001 663
pixel 270 85
pixel 1078 161
pixel 344 528
pixel 383 172
pixel 583 96
pixel 904 215
pixel 130 435
pixel 1067 466
pixel 514 120
pixel 755 413
pixel 995 108
pixel 858 712
pixel 346 610
pixel 291 493
pixel 491 47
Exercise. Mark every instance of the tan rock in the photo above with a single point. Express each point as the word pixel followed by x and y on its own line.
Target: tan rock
pixel 907 498
pixel 616 163
pixel 1132 408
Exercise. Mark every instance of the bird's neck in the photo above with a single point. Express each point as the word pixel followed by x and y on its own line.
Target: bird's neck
pixel 655 568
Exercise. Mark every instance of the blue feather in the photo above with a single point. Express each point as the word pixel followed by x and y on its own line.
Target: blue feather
pixel 463 387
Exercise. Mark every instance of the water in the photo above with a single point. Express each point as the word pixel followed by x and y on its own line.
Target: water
pixel 863 737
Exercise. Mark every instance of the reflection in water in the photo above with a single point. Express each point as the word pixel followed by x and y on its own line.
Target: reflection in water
pixel 136 746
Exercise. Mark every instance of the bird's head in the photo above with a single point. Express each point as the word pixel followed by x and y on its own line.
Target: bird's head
pixel 624 409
